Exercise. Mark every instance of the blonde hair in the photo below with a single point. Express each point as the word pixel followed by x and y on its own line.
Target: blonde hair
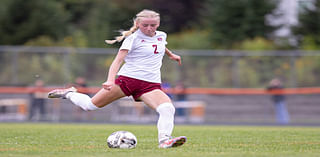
pixel 144 13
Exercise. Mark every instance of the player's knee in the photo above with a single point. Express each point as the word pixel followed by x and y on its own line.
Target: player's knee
pixel 166 108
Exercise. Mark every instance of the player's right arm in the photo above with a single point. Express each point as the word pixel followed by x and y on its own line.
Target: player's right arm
pixel 114 68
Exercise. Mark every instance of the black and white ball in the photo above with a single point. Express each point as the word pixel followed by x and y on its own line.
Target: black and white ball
pixel 122 140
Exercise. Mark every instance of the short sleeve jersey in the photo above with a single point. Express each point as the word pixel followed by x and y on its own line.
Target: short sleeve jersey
pixel 144 58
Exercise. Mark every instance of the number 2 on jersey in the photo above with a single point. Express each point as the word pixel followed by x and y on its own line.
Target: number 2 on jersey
pixel 155 49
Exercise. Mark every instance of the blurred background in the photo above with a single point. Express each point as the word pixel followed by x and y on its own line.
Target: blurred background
pixel 232 52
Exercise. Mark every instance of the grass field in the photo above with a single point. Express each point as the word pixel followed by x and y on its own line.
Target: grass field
pixel 85 140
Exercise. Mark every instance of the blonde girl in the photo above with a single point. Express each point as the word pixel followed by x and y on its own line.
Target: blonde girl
pixel 142 51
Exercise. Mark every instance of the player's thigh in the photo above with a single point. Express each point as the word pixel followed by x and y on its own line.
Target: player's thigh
pixel 104 97
pixel 154 98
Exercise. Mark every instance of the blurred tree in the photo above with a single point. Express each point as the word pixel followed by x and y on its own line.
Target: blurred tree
pixel 308 28
pixel 192 39
pixel 89 19
pixel 78 10
pixel 98 24
pixel 94 20
pixel 3 13
pixel 178 15
pixel 256 44
pixel 3 9
pixel 25 20
pixel 123 12
pixel 233 21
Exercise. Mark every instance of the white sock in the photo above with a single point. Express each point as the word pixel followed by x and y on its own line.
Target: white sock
pixel 81 100
pixel 166 120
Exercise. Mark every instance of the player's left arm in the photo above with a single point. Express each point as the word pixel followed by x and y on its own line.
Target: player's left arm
pixel 173 56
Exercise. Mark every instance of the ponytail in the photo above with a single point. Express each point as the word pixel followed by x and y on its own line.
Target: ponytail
pixel 124 34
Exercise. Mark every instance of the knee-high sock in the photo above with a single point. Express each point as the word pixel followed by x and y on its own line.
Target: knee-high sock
pixel 166 120
pixel 81 100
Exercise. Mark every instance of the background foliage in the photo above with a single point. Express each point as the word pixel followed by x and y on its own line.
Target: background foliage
pixel 86 23
pixel 308 29
pixel 95 20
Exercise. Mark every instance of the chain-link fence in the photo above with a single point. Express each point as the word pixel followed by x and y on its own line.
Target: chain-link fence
pixel 21 65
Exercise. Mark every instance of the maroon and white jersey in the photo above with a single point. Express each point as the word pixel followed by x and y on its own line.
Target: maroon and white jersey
pixel 144 58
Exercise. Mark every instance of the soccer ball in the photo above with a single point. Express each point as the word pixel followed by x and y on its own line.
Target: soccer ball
pixel 122 140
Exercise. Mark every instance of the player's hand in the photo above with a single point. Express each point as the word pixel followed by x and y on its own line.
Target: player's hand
pixel 107 85
pixel 176 58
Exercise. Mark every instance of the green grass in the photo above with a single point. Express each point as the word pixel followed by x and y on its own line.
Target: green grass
pixel 87 140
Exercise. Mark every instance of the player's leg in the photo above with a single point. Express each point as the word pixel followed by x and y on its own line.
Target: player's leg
pixel 105 97
pixel 102 98
pixel 160 102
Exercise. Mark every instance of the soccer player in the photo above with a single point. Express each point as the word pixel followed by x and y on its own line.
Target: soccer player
pixel 142 51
